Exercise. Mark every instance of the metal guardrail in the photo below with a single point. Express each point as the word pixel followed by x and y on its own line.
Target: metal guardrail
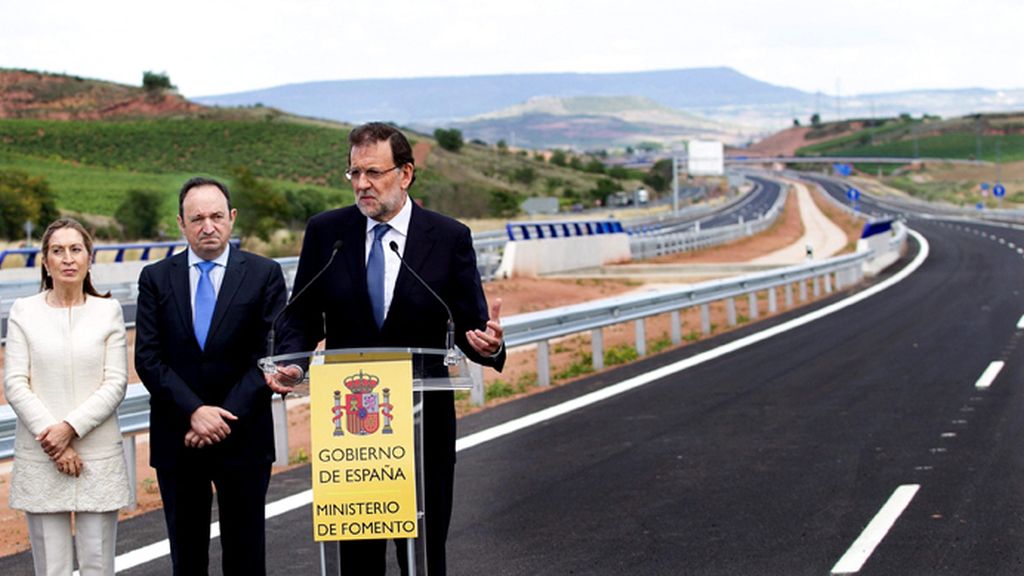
pixel 643 247
pixel 541 327
pixel 119 250
pixel 132 416
pixel 533 327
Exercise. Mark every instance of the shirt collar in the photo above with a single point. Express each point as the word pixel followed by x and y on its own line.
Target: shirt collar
pixel 400 223
pixel 221 260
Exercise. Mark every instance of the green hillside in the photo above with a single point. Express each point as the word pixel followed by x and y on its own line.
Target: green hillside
pixel 996 141
pixel 91 165
pixel 84 144
pixel 274 150
pixel 983 137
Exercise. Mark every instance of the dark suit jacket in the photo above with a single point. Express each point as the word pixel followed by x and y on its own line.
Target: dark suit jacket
pixel 181 377
pixel 337 307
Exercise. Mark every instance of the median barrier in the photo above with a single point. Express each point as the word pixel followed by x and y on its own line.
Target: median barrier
pixel 535 248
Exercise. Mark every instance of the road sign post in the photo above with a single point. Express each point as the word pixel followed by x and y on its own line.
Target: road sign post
pixel 999 191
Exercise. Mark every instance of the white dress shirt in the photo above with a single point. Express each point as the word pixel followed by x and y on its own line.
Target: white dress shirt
pixel 398 233
pixel 216 273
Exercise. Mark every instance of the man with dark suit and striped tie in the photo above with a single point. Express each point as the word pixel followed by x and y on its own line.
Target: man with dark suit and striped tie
pixel 203 318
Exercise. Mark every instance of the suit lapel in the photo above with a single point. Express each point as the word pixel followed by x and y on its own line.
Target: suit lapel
pixel 418 244
pixel 354 253
pixel 182 293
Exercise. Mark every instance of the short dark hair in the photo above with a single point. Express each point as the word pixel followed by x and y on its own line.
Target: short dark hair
pixel 196 182
pixel 372 132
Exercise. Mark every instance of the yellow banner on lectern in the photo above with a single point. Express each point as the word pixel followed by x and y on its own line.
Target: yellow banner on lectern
pixel 363 451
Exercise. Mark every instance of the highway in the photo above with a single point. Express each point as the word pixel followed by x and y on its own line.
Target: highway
pixel 767 450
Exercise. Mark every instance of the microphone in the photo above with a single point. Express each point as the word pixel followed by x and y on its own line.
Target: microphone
pixel 269 367
pixel 451 358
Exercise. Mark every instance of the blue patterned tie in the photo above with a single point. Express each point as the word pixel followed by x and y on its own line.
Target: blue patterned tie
pixel 206 299
pixel 375 273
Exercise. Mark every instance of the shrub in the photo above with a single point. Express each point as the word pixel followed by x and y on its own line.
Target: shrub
pixel 524 175
pixel 261 209
pixel 605 186
pixel 304 204
pixel 139 214
pixel 25 198
pixel 450 140
pixel 620 355
pixel 153 81
pixel 504 203
pixel 558 158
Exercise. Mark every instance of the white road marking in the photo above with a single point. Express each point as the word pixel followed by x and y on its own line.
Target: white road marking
pixel 876 530
pixel 989 375
pixel 1020 323
pixel 160 549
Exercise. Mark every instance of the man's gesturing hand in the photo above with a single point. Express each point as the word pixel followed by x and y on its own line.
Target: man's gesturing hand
pixel 488 343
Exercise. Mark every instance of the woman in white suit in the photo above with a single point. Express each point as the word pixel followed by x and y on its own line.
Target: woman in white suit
pixel 65 373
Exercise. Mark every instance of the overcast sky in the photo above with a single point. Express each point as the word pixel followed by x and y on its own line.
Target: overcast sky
pixel 213 47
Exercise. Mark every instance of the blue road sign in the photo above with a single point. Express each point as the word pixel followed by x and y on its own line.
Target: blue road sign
pixel 984 185
pixel 999 190
pixel 979 206
pixel 853 194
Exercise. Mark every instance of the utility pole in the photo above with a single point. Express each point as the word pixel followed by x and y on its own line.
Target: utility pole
pixel 675 183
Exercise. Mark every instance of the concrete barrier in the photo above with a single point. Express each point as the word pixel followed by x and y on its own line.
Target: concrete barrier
pixel 533 258
pixel 887 240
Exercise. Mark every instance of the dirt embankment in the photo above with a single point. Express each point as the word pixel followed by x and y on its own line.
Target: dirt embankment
pixel 59 97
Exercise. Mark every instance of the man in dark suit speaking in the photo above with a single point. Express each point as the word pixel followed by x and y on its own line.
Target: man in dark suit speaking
pixel 367 299
pixel 202 323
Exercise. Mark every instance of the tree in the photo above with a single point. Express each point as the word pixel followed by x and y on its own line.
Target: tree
pixel 659 176
pixel 154 81
pixel 815 120
pixel 558 158
pixel 450 140
pixel 504 203
pixel 604 188
pixel 502 146
pixel 524 175
pixel 261 209
pixel 25 198
pixel 796 122
pixel 139 214
pixel 618 172
pixel 305 204
pixel 594 166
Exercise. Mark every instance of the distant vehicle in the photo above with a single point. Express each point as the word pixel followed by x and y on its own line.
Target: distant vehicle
pixel 642 196
pixel 619 199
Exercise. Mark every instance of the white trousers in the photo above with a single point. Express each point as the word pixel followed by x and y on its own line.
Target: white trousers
pixel 51 540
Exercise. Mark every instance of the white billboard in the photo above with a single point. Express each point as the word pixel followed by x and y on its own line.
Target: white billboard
pixel 705 158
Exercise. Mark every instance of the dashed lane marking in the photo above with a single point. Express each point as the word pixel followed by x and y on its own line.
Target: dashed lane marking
pixel 989 375
pixel 876 530
pixel 160 549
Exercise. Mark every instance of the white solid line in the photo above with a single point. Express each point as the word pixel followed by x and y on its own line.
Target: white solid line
pixel 162 548
pixel 1020 323
pixel 989 375
pixel 872 536
pixel 626 385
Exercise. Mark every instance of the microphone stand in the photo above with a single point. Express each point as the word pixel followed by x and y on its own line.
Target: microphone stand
pixel 267 365
pixel 451 357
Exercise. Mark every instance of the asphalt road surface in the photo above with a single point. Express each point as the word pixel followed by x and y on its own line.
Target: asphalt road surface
pixel 771 458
